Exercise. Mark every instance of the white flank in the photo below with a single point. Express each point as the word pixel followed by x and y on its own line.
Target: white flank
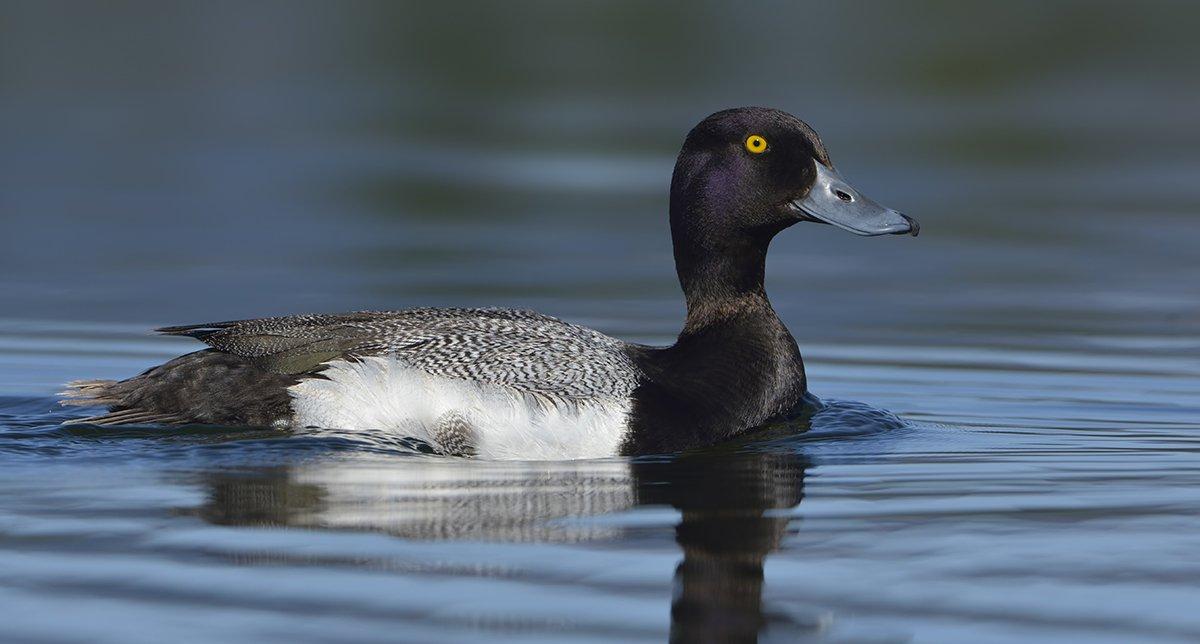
pixel 383 394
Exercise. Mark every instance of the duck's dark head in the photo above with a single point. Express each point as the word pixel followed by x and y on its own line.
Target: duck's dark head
pixel 745 174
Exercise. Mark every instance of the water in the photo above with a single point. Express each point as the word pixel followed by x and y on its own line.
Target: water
pixel 1040 340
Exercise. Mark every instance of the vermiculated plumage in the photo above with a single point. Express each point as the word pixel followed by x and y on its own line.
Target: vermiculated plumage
pixel 518 349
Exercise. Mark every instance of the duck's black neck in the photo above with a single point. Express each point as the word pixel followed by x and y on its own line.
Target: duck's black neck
pixel 720 281
pixel 730 321
pixel 735 365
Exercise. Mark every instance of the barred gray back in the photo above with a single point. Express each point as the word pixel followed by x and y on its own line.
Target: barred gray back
pixel 519 349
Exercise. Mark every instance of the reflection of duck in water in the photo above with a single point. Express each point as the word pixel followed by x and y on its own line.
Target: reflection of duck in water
pixel 726 533
pixel 725 529
pixel 520 385
pixel 429 498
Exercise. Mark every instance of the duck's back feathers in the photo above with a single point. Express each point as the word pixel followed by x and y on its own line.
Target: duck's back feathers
pixel 517 349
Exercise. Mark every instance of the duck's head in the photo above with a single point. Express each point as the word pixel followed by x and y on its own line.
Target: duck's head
pixel 745 174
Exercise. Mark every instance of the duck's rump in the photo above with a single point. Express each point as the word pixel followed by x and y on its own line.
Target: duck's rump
pixel 208 387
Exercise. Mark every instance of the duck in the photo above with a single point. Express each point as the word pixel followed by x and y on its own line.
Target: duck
pixel 501 383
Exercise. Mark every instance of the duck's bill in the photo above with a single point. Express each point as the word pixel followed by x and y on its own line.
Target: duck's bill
pixel 833 201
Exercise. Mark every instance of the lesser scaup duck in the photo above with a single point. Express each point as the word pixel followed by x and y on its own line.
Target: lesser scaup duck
pixel 502 383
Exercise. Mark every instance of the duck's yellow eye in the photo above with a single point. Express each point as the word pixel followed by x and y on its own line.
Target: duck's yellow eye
pixel 755 144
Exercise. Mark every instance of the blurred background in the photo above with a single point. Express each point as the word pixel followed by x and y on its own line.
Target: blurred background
pixel 181 162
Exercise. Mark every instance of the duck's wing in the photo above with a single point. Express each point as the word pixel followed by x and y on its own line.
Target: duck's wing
pixel 521 349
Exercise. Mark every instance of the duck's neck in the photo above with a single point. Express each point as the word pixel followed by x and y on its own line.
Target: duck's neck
pixel 731 326
pixel 720 282
pixel 734 366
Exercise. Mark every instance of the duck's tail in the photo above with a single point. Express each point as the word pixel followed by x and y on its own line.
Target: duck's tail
pixel 89 393
pixel 205 387
pixel 107 393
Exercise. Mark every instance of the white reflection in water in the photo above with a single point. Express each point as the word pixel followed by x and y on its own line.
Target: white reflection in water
pixel 726 526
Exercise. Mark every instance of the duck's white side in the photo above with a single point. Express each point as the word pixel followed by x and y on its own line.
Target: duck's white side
pixel 383 393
